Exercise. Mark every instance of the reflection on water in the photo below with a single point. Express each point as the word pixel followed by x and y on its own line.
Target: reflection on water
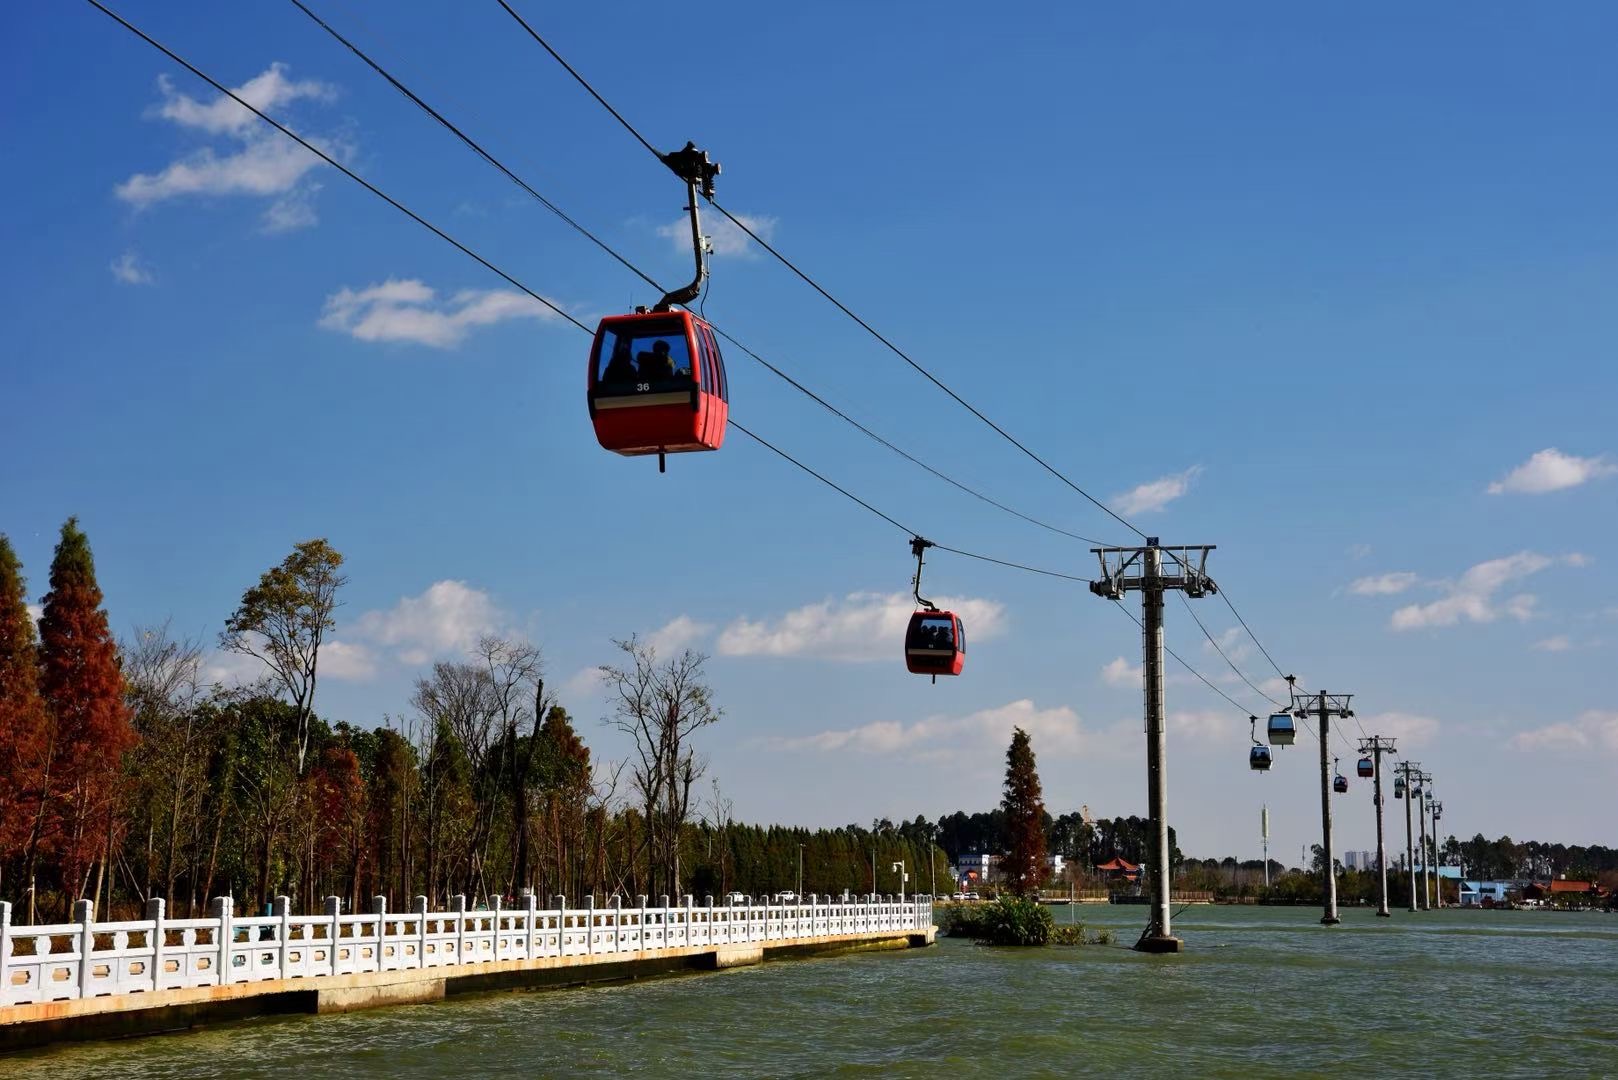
pixel 1261 992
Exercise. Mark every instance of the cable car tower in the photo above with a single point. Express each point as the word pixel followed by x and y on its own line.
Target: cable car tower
pixel 1373 747
pixel 1324 707
pixel 1408 774
pixel 1140 569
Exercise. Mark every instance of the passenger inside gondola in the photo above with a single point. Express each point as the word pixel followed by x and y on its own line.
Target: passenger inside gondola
pixel 620 368
pixel 632 363
pixel 656 364
pixel 934 634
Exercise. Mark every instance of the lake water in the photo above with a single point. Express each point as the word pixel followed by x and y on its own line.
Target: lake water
pixel 1260 992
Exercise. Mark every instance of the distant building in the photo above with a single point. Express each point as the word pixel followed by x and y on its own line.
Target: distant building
pixel 1359 860
pixel 1485 893
pixel 976 869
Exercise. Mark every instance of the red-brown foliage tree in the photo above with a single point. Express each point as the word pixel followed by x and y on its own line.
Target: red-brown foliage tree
pixel 22 714
pixel 1024 807
pixel 88 726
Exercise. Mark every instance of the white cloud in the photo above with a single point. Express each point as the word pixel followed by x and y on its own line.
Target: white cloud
pixel 1203 725
pixel 346 661
pixel 677 634
pixel 294 210
pixel 340 660
pixel 1359 551
pixel 1157 494
pixel 585 682
pixel 1120 672
pixel 35 613
pixel 445 620
pixel 1233 643
pixel 263 167
pixel 405 310
pixel 232 669
pixel 1472 598
pixel 1384 584
pixel 1594 729
pixel 1412 730
pixel 1552 470
pixel 223 116
pixel 861 627
pixel 1554 643
pixel 1056 731
pixel 725 238
pixel 259 161
pixel 131 270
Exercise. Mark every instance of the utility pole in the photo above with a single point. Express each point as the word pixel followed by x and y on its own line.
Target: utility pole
pixel 1406 771
pixel 1324 707
pixel 1426 888
pixel 1140 569
pixel 800 874
pixel 1375 746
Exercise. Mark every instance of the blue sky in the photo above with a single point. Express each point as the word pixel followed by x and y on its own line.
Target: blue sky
pixel 1331 290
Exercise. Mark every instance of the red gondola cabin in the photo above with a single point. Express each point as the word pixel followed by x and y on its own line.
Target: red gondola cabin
pixel 935 643
pixel 657 384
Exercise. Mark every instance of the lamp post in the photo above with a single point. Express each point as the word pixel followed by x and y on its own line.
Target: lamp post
pixel 904 876
pixel 799 895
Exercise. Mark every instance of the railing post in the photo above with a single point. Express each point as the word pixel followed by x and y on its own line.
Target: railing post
pixel 220 909
pixel 617 923
pixel 421 931
pixel 710 922
pixel 84 913
pixel 641 899
pixel 281 908
pixel 663 922
pixel 334 912
pixel 5 948
pixel 561 923
pixel 154 915
pixel 534 938
pixel 690 910
pixel 498 901
pixel 379 908
pixel 457 905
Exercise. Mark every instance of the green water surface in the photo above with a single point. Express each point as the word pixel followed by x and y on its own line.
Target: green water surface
pixel 1260 992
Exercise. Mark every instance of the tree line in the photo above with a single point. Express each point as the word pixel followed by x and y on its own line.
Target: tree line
pixel 126 775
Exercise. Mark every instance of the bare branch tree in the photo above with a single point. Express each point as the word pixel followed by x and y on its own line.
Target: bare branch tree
pixel 660 707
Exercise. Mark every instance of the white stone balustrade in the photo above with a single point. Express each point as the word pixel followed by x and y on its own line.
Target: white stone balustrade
pixel 85 959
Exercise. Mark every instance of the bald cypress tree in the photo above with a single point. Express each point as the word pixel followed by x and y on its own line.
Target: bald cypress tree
pixel 1024 807
pixel 87 720
pixel 22 716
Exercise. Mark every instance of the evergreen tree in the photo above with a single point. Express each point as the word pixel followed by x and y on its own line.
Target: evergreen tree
pixel 88 726
pixel 1024 806
pixel 22 714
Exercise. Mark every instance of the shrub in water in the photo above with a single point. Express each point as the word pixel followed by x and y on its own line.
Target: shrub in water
pixel 1014 920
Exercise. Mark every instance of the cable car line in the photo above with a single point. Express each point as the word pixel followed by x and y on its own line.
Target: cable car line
pixel 1223 595
pixel 520 286
pixel 476 147
pixel 812 283
pixel 328 159
pixel 1243 709
pixel 472 143
pixel 892 521
pixel 459 246
pixel 1223 655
